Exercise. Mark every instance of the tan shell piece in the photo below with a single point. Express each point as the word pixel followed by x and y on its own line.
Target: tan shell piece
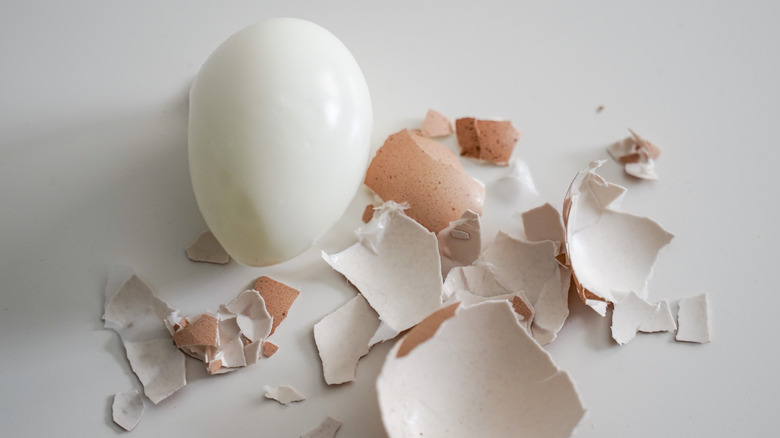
pixel 368 213
pixel 278 298
pixel 521 307
pixel 487 140
pixel 201 332
pixel 428 176
pixel 207 249
pixel 436 125
pixel 269 348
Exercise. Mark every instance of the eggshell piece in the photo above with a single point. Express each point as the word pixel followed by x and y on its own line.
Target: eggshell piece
pixel 127 409
pixel 206 248
pixel 480 374
pixel 428 176
pixel 326 429
pixel 488 140
pixel 368 213
pixel 436 124
pixel 425 329
pixel 284 394
pixel 201 332
pixel 693 319
pixel 460 243
pixel 269 349
pixel 279 126
pixel 278 298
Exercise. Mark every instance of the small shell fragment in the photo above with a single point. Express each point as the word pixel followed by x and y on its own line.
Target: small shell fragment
pixel 436 124
pixel 543 223
pixel 368 213
pixel 269 349
pixel 661 321
pixel 127 409
pixel 628 316
pixel 326 429
pixel 206 248
pixel 342 338
pixel 693 319
pixel 428 176
pixel 637 156
pixel 487 140
pixel 284 394
pixel 278 297
pixel 460 243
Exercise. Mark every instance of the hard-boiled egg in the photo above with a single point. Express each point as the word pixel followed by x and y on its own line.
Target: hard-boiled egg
pixel 279 138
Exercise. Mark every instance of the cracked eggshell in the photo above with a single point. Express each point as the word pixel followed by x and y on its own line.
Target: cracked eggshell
pixel 428 176
pixel 279 126
pixel 611 253
pixel 478 374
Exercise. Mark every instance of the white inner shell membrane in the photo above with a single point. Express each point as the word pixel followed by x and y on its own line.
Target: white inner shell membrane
pixel 481 374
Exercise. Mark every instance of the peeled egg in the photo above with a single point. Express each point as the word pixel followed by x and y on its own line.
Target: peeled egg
pixel 279 137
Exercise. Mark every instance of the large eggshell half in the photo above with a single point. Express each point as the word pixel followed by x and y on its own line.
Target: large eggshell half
pixel 279 137
pixel 475 372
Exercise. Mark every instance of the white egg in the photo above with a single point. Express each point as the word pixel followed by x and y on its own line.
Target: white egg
pixel 279 138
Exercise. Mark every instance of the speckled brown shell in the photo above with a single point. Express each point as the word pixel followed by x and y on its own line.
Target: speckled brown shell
pixel 278 298
pixel 427 175
pixel 201 332
pixel 487 140
pixel 436 124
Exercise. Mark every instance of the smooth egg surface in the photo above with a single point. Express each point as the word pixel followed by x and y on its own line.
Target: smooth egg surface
pixel 279 137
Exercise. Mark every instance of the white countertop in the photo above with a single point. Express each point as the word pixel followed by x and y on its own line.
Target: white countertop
pixel 93 172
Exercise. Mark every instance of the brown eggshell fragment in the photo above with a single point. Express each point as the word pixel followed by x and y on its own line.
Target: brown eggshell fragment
pixel 426 329
pixel 487 140
pixel 468 139
pixel 201 332
pixel 269 348
pixel 521 307
pixel 428 176
pixel 368 213
pixel 436 125
pixel 278 298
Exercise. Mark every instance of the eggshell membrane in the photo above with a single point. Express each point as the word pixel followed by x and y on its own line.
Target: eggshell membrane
pixel 279 127
pixel 206 248
pixel 428 176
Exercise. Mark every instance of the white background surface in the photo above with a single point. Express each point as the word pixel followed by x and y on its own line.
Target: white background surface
pixel 93 171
